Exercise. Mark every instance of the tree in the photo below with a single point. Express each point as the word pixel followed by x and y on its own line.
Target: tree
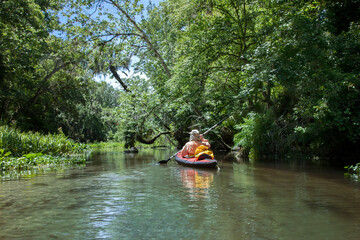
pixel 115 41
pixel 312 103
pixel 23 29
pixel 44 80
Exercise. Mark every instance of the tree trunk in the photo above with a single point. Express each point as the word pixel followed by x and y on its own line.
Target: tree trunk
pixel 139 138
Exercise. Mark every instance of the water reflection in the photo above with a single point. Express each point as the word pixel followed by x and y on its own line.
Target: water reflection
pixel 118 196
pixel 197 182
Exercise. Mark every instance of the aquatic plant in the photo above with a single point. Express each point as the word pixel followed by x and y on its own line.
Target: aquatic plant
pixel 19 143
pixel 26 151
pixel 37 160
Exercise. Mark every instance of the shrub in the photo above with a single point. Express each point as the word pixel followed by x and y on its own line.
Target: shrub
pixel 260 134
pixel 19 143
pixel 24 151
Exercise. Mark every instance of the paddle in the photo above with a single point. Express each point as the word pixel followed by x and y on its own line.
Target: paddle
pixel 165 161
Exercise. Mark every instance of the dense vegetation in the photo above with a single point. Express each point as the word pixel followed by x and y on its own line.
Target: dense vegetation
pixel 26 151
pixel 287 71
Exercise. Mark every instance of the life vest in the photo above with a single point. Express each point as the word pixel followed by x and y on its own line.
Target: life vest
pixel 203 152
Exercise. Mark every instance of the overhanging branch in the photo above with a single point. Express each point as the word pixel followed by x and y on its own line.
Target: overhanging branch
pixel 117 77
pixel 139 138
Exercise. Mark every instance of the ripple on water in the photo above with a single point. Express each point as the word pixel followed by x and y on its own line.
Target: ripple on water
pixel 129 198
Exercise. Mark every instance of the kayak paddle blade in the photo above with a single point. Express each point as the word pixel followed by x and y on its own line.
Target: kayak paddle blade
pixel 163 161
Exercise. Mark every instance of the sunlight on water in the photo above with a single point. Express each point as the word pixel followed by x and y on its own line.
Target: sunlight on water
pixel 118 196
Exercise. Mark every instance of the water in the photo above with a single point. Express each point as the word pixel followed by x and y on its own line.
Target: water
pixel 118 196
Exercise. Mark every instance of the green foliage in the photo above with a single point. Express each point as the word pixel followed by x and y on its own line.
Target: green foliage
pixel 341 14
pixel 353 168
pixel 308 77
pixel 19 143
pixel 353 171
pixel 108 144
pixel 260 134
pixel 4 154
pixel 45 80
pixel 92 118
pixel 24 43
pixel 21 151
pixel 37 161
pixel 288 71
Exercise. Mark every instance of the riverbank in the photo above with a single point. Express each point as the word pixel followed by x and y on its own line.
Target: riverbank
pixel 31 150
pixel 121 145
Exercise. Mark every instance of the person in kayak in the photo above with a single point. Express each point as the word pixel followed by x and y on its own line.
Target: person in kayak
pixel 196 140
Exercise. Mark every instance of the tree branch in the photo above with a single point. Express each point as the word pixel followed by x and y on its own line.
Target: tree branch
pixel 42 86
pixel 139 138
pixel 144 37
pixel 117 77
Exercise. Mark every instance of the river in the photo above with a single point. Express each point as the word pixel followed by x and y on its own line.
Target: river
pixel 127 196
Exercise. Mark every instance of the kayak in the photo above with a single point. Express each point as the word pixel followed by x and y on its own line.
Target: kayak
pixel 192 162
